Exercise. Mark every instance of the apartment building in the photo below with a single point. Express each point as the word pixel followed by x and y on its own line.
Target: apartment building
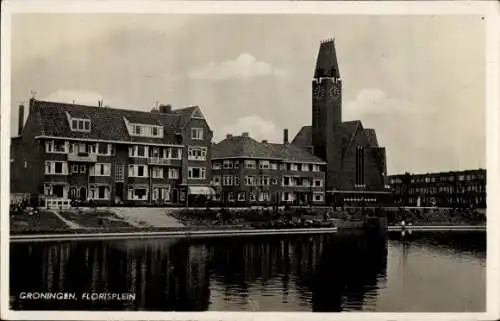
pixel 445 189
pixel 109 155
pixel 245 171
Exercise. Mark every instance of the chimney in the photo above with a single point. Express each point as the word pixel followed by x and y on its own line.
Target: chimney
pixel 165 109
pixel 245 134
pixel 20 125
pixel 264 141
pixel 229 136
pixel 285 136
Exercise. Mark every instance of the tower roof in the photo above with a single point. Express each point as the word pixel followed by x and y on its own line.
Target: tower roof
pixel 327 64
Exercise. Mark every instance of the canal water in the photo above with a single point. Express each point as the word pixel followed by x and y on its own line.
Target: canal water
pixel 420 272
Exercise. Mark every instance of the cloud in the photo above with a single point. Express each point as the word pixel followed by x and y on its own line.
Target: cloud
pixel 78 96
pixel 257 128
pixel 243 67
pixel 375 102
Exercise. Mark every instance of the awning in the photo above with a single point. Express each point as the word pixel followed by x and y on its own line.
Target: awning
pixel 200 190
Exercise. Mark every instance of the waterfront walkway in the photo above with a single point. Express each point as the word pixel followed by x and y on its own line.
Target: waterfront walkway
pixel 145 216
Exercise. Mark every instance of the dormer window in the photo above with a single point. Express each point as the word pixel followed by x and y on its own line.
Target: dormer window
pixel 144 130
pixel 79 124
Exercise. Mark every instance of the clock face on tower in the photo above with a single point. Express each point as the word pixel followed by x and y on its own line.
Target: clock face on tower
pixel 334 91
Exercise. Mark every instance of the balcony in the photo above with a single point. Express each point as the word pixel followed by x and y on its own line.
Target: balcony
pixel 159 161
pixel 82 157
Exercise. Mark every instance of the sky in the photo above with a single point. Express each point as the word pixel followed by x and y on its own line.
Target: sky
pixel 418 80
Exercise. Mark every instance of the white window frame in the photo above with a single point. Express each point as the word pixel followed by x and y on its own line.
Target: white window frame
pixel 250 180
pixel 304 167
pixel 50 147
pixel 171 174
pixel 133 170
pixel 203 173
pixel 241 196
pixel 197 153
pixel 318 180
pixel 109 149
pixel 227 164
pixel 80 121
pixel 274 166
pixel 75 169
pixel 50 168
pixel 250 164
pixel 216 165
pixel 157 172
pixel 264 164
pixel 228 180
pixel 320 195
pixel 100 169
pixel 197 133
pixel 265 180
pixel 133 151
pixel 93 192
pixel 131 194
pixel 294 167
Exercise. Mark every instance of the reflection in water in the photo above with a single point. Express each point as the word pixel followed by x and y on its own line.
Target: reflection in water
pixel 326 273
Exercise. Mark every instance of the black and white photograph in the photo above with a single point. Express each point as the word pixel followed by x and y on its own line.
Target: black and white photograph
pixel 241 160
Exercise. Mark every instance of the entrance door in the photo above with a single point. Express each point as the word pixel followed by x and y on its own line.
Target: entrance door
pixel 83 194
pixel 119 191
pixel 58 190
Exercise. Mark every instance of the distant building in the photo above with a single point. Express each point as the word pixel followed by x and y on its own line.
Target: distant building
pixel 68 151
pixel 445 189
pixel 356 170
pixel 245 171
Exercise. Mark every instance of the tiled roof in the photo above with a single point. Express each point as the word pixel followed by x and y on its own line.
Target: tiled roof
pixel 303 139
pixel 106 123
pixel 247 147
pixel 185 114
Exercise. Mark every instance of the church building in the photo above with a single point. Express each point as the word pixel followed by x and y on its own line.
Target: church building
pixel 356 164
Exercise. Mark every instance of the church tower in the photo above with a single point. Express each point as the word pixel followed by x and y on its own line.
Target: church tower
pixel 326 98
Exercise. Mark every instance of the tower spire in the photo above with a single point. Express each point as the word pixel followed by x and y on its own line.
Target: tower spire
pixel 326 63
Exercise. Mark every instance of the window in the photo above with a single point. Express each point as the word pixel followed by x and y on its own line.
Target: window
pixel 101 169
pixel 173 173
pixel 230 197
pixel 294 167
pixel 119 172
pixel 74 169
pixel 287 181
pixel 241 196
pixel 274 166
pixel 216 165
pixel 140 151
pixel 56 168
pixel 318 183
pixel 55 146
pixel 197 133
pixel 252 197
pixel 99 192
pixel 264 164
pixel 236 164
pixel 154 131
pixel 175 153
pixel 83 169
pixel 135 170
pixel 264 180
pixel 138 193
pixel 264 197
pixel 104 149
pixel 155 152
pixel 80 125
pixel 318 197
pixel 216 180
pixel 305 167
pixel 161 193
pixel 227 180
pixel 275 181
pixel 249 180
pixel 315 168
pixel 197 153
pixel 228 164
pixel 157 172
pixel 196 172
pixel 283 167
pixel 250 164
